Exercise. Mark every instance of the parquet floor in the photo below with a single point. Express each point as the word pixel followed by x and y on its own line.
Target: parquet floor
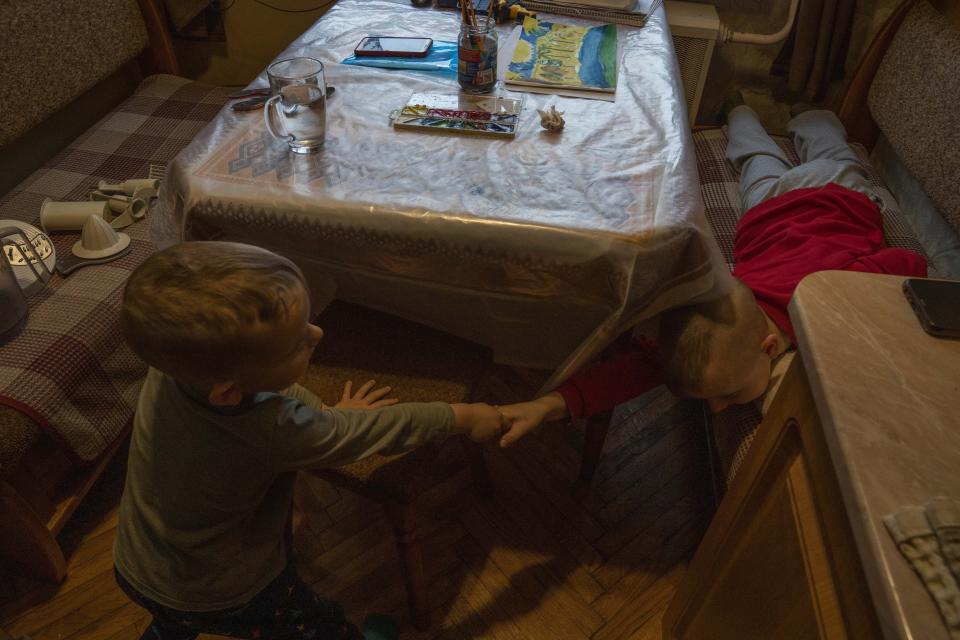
pixel 538 560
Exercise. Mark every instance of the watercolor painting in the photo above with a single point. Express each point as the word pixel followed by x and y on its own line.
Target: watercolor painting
pixel 563 55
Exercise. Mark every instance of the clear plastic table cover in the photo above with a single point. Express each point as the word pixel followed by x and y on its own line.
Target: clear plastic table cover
pixel 544 247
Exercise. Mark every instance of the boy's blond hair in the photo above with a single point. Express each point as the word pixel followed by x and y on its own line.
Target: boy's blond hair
pixel 201 311
pixel 688 336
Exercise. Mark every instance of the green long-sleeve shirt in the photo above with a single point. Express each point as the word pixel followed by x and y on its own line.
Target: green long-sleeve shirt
pixel 207 491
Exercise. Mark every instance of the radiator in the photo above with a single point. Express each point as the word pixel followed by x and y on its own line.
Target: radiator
pixel 695 28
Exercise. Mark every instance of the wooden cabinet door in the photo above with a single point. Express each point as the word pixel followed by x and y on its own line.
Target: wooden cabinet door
pixel 778 561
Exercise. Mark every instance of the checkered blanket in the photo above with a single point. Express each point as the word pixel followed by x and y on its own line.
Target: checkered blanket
pixel 733 429
pixel 69 370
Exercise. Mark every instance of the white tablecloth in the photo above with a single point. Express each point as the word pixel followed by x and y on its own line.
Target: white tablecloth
pixel 544 247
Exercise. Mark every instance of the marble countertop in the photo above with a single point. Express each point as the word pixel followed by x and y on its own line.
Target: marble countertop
pixel 888 395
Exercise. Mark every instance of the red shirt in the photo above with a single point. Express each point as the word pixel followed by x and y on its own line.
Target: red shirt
pixel 779 242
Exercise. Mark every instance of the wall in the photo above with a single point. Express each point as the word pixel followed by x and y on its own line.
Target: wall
pixel 255 34
pixel 869 17
pixel 746 68
pixel 742 66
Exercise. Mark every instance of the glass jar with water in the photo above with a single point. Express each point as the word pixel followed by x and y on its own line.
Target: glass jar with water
pixel 477 55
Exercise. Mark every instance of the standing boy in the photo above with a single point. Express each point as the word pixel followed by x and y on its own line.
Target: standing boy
pixel 219 434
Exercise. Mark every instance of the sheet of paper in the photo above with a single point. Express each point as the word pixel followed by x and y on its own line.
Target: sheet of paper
pixel 505 55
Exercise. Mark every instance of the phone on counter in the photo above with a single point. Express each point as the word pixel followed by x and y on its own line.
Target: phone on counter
pixel 393 47
pixel 937 305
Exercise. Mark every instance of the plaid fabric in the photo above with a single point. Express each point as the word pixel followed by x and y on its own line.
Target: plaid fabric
pixel 69 369
pixel 733 432
pixel 734 428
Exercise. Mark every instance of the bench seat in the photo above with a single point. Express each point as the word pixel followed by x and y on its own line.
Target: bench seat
pixel 68 374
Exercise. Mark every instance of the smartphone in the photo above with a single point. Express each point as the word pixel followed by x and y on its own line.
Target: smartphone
pixel 400 47
pixel 937 305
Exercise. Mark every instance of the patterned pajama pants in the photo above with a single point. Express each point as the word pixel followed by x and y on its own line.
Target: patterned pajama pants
pixel 286 609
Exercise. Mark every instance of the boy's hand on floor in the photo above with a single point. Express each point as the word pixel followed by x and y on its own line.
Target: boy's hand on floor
pixel 366 397
pixel 478 421
pixel 524 417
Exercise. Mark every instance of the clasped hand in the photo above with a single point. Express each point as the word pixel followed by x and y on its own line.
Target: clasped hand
pixel 523 417
pixel 479 421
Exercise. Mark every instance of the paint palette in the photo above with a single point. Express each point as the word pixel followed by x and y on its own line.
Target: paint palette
pixel 490 115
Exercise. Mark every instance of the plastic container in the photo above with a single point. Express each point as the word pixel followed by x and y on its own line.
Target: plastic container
pixel 13 293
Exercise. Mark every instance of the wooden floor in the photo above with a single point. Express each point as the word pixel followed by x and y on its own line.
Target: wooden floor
pixel 538 560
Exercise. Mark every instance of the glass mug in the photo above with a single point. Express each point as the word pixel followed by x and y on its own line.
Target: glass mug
pixel 298 96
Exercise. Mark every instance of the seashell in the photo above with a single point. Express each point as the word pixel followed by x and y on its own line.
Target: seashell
pixel 551 119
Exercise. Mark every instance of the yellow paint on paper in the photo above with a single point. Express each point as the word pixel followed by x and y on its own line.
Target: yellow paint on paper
pixel 557 54
pixel 523 52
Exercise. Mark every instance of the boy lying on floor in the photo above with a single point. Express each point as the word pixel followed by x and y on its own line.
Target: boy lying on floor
pixel 820 215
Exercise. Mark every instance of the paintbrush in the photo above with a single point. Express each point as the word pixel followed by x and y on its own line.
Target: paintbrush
pixel 473 14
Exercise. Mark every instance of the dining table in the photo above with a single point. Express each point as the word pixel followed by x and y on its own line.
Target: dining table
pixel 544 246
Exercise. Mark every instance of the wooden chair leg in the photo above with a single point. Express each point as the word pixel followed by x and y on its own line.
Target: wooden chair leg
pixel 26 542
pixel 288 533
pixel 596 433
pixel 473 452
pixel 404 524
pixel 8 589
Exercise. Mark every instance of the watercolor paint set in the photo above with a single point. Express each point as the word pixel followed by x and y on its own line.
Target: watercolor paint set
pixel 490 115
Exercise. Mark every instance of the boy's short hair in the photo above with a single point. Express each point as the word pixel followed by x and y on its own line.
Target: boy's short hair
pixel 687 335
pixel 200 311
